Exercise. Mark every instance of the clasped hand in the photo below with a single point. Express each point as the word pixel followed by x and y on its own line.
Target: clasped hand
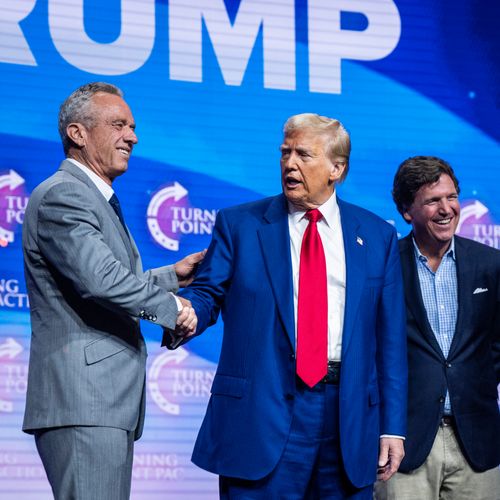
pixel 186 268
pixel 186 319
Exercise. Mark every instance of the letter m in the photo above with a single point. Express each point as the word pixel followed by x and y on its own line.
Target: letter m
pixel 233 42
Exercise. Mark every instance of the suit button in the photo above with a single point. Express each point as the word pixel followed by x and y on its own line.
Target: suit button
pixel 292 357
pixel 289 396
pixel 448 365
pixel 441 399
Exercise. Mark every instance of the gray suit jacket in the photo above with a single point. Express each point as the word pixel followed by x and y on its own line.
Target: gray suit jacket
pixel 87 291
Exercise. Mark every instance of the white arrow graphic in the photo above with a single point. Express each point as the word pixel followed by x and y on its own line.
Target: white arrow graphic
pixel 477 210
pixel 10 348
pixel 154 372
pixel 176 191
pixel 12 179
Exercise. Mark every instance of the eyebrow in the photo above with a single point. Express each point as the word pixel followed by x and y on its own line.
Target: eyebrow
pixel 299 149
pixel 124 122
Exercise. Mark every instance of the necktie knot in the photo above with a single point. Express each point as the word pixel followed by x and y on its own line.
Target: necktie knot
pixel 314 215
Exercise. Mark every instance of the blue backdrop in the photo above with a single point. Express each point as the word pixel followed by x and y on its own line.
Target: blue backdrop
pixel 210 83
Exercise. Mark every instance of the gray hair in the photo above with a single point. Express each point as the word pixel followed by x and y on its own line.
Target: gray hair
pixel 338 142
pixel 77 108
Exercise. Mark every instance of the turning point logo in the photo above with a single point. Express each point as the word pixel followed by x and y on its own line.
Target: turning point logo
pixel 170 216
pixel 477 224
pixel 174 381
pixel 13 201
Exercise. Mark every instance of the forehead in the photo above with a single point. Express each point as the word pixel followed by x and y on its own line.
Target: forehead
pixel 110 106
pixel 306 138
pixel 442 187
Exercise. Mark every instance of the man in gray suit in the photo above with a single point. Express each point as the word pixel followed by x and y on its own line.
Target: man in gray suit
pixel 87 290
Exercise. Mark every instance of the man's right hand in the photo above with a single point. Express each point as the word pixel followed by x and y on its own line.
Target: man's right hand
pixel 186 319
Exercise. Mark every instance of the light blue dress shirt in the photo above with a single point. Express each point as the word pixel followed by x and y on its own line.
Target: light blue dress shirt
pixel 440 296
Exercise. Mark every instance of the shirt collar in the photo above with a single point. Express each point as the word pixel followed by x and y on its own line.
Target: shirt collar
pixel 329 210
pixel 105 189
pixel 421 257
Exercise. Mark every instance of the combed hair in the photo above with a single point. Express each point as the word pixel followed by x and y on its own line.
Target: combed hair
pixel 77 108
pixel 338 142
pixel 414 173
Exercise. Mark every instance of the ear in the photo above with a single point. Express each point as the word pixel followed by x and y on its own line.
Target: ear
pixel 336 171
pixel 77 133
pixel 407 216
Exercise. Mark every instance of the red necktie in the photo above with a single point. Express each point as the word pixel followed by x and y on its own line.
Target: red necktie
pixel 312 314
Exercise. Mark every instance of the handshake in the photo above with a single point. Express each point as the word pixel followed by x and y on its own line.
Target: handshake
pixel 186 320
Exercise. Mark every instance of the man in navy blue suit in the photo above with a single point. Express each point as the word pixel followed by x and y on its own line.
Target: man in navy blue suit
pixel 452 288
pixel 309 397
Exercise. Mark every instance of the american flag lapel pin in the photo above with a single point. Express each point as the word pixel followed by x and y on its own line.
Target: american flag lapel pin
pixel 359 241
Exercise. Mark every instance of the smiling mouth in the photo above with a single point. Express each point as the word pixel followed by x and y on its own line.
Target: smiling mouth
pixel 124 152
pixel 443 222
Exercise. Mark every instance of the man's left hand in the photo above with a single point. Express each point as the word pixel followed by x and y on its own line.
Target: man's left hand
pixel 390 456
pixel 185 268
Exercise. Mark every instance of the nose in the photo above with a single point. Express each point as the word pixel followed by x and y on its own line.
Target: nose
pixel 288 162
pixel 444 206
pixel 131 136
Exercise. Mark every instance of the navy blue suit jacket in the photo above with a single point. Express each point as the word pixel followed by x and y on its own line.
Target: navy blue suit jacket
pixel 247 275
pixel 472 370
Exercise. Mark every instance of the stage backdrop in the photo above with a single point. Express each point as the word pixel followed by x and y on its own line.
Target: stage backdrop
pixel 210 83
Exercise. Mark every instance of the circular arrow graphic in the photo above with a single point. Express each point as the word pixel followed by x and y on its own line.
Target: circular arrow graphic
pixel 176 191
pixel 9 349
pixel 12 180
pixel 160 361
pixel 476 209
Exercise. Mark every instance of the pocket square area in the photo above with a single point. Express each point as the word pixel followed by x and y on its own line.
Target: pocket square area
pixel 479 290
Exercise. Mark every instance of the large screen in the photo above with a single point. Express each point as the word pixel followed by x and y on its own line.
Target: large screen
pixel 210 84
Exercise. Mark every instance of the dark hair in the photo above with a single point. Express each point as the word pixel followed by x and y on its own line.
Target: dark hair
pixel 77 108
pixel 414 173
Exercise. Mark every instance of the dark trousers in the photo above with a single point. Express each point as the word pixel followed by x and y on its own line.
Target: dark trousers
pixel 311 465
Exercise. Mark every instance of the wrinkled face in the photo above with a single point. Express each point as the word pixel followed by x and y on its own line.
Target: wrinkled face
pixel 108 144
pixel 308 176
pixel 434 213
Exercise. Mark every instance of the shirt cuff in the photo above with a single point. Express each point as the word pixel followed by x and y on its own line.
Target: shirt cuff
pixel 178 302
pixel 392 436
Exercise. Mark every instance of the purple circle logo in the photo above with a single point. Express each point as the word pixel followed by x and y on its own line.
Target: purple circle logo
pixel 13 201
pixel 170 216
pixel 477 224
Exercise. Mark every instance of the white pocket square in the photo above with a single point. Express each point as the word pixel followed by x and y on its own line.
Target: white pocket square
pixel 479 290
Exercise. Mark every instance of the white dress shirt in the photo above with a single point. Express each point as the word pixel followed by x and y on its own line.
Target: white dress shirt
pixel 104 188
pixel 330 231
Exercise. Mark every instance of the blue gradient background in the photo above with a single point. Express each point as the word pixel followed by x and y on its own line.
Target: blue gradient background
pixel 435 94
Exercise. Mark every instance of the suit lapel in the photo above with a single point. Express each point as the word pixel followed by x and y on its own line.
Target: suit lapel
pixel 274 239
pixel 355 263
pixel 413 294
pixel 465 273
pixel 72 169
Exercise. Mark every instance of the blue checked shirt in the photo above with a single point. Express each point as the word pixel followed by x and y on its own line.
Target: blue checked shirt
pixel 440 296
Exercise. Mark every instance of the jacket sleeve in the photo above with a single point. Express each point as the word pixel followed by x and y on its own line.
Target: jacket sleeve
pixel 70 237
pixel 208 290
pixel 391 347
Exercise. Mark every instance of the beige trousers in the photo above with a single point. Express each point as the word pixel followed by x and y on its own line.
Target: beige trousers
pixel 445 475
